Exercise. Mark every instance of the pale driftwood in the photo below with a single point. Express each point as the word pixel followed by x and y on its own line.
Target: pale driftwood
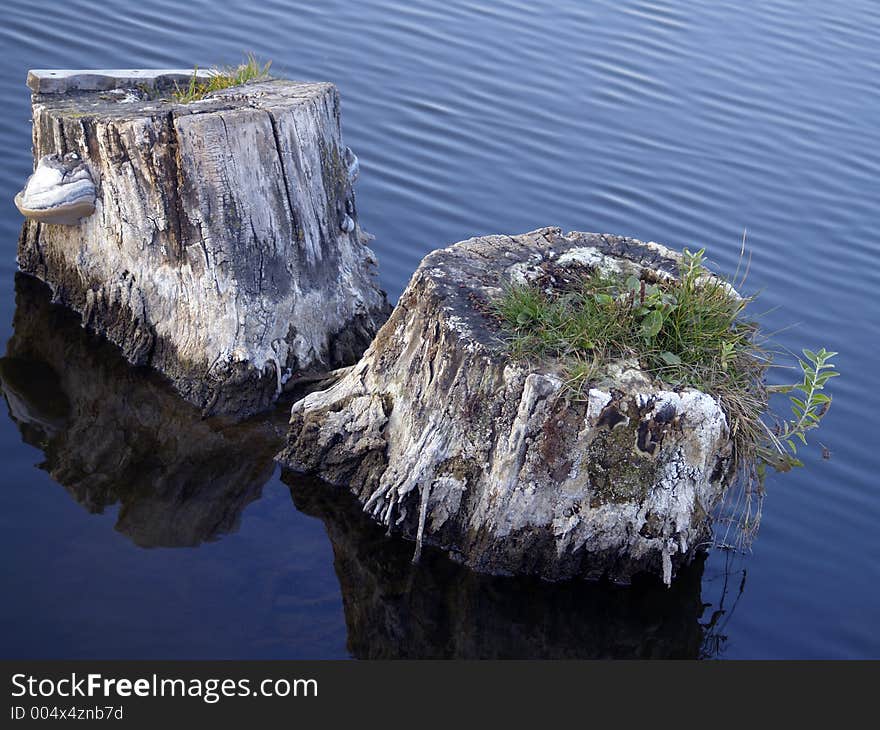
pixel 60 81
pixel 445 439
pixel 223 250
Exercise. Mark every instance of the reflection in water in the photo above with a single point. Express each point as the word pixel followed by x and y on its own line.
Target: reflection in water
pixel 112 433
pixel 440 610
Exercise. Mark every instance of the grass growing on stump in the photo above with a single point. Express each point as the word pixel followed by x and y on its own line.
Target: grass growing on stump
pixel 685 331
pixel 221 78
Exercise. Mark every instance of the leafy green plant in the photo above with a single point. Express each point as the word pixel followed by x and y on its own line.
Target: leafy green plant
pixel 807 409
pixel 199 87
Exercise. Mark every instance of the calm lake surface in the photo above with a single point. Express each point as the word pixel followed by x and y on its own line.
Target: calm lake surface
pixel 129 528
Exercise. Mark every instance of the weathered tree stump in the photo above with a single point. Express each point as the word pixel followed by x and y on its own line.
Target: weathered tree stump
pixel 223 250
pixel 445 439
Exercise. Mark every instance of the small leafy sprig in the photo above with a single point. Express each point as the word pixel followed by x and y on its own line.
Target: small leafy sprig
pixel 652 305
pixel 807 410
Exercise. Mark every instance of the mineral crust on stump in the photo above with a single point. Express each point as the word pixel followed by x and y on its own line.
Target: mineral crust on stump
pixel 445 439
pixel 223 248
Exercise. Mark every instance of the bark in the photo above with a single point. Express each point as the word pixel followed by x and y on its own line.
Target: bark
pixel 446 440
pixel 224 250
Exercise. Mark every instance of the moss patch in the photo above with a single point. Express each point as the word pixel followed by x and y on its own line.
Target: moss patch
pixel 617 472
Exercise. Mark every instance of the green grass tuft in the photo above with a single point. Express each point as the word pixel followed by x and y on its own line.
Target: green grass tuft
pixel 221 78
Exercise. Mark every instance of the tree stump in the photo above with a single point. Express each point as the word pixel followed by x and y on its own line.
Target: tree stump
pixel 447 440
pixel 223 249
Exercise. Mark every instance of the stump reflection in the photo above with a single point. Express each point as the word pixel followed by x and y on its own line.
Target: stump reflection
pixel 112 433
pixel 438 609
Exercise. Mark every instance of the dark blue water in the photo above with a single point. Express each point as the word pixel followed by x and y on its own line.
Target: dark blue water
pixel 680 122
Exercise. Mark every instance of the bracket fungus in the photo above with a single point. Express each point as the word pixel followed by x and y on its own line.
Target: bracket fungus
pixel 60 191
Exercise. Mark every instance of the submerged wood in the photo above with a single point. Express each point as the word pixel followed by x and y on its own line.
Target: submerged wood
pixel 446 440
pixel 224 249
